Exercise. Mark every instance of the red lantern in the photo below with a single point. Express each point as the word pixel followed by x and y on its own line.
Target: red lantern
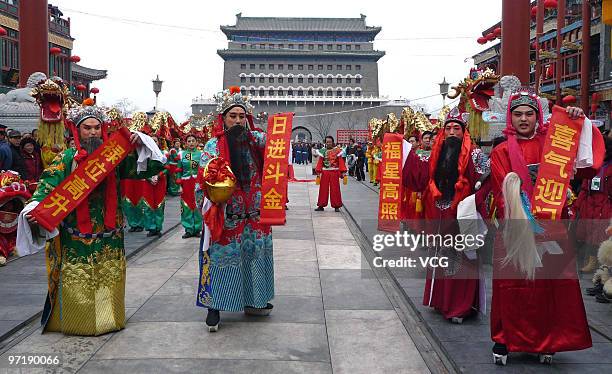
pixel 534 11
pixel 75 59
pixel 81 87
pixel 3 31
pixel 549 71
pixel 482 40
pixel 550 4
pixel 490 36
pixel 595 97
pixel 94 90
pixel 569 99
pixel 534 45
pixel 55 50
pixel 497 32
pixel 594 108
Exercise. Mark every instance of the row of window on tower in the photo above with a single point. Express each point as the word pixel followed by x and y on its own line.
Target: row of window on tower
pixel 299 80
pixel 300 67
pixel 310 47
pixel 300 93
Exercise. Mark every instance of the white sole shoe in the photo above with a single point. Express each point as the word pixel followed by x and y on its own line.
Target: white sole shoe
pixel 500 359
pixel 457 320
pixel 546 359
pixel 214 328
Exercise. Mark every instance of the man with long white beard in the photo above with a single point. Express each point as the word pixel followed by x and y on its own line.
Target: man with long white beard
pixel 86 261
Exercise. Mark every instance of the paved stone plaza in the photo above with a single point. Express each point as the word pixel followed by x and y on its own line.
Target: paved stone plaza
pixel 331 313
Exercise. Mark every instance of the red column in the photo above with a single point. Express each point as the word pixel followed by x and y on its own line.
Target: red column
pixel 560 62
pixel 539 32
pixel 515 39
pixel 33 39
pixel 585 57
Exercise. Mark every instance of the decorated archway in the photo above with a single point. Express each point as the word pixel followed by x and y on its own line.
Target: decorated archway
pixel 301 133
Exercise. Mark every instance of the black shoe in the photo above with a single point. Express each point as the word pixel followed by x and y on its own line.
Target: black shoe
pixel 602 298
pixel 286 207
pixel 336 210
pixel 595 290
pixel 139 229
pixel 186 235
pixel 153 233
pixel 212 320
pixel 132 229
pixel 319 209
pixel 259 311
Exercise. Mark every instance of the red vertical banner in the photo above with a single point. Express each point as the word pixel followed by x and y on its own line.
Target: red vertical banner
pixel 390 195
pixel 276 169
pixel 556 167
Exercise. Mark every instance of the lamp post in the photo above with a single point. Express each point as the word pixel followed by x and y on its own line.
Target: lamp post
pixel 443 90
pixel 157 87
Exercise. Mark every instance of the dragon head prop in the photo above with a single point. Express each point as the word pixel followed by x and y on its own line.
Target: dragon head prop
pixel 53 97
pixel 13 195
pixel 475 91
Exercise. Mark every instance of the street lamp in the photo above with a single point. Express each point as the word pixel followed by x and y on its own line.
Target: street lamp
pixel 443 90
pixel 157 87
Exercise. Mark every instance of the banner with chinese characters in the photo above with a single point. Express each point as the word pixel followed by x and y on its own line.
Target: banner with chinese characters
pixel 73 190
pixel 390 195
pixel 557 165
pixel 275 171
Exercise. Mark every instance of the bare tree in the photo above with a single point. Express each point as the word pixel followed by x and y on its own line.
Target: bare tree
pixel 125 106
pixel 349 120
pixel 322 125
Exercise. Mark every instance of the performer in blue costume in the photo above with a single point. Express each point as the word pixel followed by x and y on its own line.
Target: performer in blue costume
pixel 237 270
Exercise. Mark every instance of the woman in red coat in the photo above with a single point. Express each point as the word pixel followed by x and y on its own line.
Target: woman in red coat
pixel 31 159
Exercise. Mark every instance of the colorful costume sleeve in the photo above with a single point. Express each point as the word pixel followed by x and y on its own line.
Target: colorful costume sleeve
pixel 54 174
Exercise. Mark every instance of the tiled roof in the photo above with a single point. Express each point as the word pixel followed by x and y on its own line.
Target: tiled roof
pixel 94 74
pixel 300 24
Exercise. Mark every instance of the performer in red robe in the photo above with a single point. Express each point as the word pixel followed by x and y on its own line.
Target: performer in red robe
pixel 411 210
pixel 544 313
pixel 447 177
pixel 330 169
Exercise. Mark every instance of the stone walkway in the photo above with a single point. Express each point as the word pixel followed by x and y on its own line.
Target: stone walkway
pixel 468 346
pixel 331 313
pixel 24 280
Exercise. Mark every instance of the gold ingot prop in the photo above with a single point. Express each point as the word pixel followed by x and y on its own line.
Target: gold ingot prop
pixel 219 192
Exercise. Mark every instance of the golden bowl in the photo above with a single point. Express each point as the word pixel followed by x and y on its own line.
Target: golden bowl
pixel 220 192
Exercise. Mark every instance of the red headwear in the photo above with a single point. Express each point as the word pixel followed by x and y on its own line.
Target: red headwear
pixel 524 96
pixel 462 187
pixel 84 223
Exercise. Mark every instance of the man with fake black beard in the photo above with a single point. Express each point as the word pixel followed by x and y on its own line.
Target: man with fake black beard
pixel 444 179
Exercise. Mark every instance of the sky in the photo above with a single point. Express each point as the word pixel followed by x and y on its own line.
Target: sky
pixel 424 42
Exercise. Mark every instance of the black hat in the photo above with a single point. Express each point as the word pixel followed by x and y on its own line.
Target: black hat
pixel 14 134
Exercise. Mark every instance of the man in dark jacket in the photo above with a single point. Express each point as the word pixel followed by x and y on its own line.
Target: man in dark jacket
pixel 6 158
pixel 17 165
